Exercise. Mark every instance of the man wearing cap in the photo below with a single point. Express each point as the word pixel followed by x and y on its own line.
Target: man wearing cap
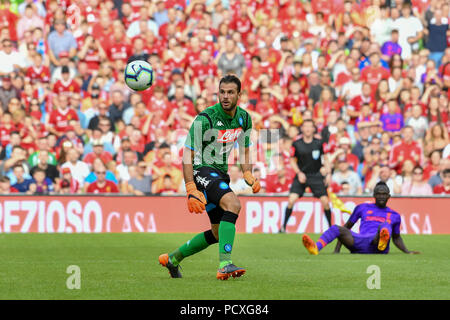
pixel 90 103
pixel 60 40
pixel 98 151
pixel 7 92
pixel 344 150
pixel 67 183
pixel 64 61
pixel 102 112
pixel 66 84
pixel 343 173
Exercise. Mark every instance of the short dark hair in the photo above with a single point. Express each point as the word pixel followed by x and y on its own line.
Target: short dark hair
pixel 37 169
pixel 230 78
pixel 255 57
pixel 380 184
pixel 446 171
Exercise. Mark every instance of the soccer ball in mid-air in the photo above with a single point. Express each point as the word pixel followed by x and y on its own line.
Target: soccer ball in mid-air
pixel 139 75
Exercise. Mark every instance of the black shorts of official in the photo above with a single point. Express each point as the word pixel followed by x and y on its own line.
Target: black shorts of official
pixel 314 181
pixel 214 184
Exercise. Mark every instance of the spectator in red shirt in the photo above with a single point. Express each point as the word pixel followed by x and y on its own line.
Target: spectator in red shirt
pixel 354 107
pixel 38 71
pixel 179 101
pixel 444 187
pixel 66 85
pixel 60 117
pixel 167 187
pixel 432 167
pixel 92 53
pixel 323 107
pixel 68 184
pixel 5 186
pixel 374 72
pixel 344 149
pixel 296 101
pixel 278 183
pixel 98 151
pixel 101 185
pixel 9 19
pixel 199 72
pixel 118 49
pixel 407 149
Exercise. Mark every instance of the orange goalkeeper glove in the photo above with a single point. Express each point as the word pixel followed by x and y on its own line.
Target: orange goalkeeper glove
pixel 251 181
pixel 196 199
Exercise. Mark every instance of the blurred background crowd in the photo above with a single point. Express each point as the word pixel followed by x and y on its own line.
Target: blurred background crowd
pixel 374 75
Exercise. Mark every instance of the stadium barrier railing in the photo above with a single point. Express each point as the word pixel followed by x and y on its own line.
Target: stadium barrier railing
pixel 259 214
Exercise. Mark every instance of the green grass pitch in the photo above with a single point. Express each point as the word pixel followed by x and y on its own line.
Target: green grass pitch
pixel 125 266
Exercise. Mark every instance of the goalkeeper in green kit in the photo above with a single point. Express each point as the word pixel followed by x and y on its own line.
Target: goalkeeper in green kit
pixel 212 137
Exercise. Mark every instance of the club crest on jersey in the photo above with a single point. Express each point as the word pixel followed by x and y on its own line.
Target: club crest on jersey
pixel 229 135
pixel 316 154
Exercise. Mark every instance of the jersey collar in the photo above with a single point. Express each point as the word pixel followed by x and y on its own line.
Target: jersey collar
pixel 223 113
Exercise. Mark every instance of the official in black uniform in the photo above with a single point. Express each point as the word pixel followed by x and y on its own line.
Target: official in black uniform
pixel 309 162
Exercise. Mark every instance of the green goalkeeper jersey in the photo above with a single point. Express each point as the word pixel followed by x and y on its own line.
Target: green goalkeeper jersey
pixel 214 134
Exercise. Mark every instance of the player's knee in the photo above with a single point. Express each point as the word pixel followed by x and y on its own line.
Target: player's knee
pixel 215 233
pixel 232 206
pixel 325 202
pixel 291 201
pixel 235 207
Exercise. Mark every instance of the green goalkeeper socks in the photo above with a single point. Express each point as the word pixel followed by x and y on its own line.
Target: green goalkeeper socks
pixel 196 244
pixel 227 231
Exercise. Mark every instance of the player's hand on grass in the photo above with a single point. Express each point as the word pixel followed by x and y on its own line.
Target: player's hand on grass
pixel 414 252
pixel 196 199
pixel 252 182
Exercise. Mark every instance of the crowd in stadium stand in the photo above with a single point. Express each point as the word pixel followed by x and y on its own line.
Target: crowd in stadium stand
pixel 374 75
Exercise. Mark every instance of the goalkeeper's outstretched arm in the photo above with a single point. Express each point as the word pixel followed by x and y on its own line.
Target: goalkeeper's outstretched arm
pixel 188 168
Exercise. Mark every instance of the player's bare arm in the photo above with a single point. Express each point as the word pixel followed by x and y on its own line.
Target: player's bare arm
pixel 188 168
pixel 398 241
pixel 348 225
pixel 246 168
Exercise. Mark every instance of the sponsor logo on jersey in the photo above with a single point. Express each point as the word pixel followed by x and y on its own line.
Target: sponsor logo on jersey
pixel 316 154
pixel 203 181
pixel 229 135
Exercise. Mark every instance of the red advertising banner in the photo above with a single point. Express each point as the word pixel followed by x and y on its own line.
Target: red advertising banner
pixel 169 214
